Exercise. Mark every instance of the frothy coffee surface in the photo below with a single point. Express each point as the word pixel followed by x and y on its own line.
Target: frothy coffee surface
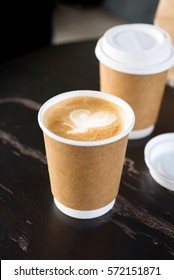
pixel 85 119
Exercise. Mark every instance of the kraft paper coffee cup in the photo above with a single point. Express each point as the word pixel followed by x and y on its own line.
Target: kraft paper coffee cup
pixel 134 60
pixel 85 175
pixel 164 18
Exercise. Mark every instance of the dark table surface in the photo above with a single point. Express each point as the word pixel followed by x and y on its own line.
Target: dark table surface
pixel 141 224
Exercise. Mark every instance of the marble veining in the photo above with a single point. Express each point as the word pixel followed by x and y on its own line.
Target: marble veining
pixel 6 189
pixel 127 209
pixel 130 167
pixel 24 101
pixel 21 240
pixel 21 148
pixel 135 213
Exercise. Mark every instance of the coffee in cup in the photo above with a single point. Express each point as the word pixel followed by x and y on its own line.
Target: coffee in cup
pixel 86 134
pixel 85 118
pixel 134 60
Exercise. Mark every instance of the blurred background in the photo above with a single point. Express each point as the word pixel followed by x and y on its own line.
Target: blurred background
pixel 28 25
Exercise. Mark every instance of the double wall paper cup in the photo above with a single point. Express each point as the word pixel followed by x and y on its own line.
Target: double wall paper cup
pixel 134 60
pixel 85 175
pixel 164 18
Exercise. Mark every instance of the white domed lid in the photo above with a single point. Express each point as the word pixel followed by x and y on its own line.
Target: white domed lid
pixel 136 48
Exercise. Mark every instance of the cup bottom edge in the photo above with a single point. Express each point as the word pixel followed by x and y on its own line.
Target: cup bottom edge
pixel 84 214
pixel 138 134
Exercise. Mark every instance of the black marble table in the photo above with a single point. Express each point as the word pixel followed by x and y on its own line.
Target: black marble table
pixel 141 224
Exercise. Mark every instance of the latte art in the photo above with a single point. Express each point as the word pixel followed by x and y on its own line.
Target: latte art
pixel 86 118
pixel 83 120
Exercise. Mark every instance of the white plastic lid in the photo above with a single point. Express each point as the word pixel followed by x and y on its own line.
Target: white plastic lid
pixel 159 157
pixel 136 49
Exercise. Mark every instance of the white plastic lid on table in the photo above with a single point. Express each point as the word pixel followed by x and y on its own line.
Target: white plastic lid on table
pixel 159 157
pixel 136 49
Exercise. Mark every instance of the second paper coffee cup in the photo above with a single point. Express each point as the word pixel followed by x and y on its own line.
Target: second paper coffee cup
pixel 134 60
pixel 86 134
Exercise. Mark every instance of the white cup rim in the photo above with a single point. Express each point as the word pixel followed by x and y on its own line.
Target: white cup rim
pixel 92 93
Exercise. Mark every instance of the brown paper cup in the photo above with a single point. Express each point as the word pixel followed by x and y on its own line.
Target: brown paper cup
pixel 164 17
pixel 134 60
pixel 85 176
pixel 143 93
